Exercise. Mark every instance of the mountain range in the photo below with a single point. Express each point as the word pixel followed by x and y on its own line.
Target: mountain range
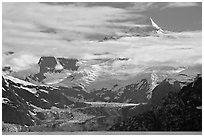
pixel 71 94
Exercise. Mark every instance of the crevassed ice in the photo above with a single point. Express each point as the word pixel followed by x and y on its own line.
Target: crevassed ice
pixel 91 74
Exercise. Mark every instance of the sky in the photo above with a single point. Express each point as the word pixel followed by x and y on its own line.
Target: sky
pixel 179 16
pixel 32 30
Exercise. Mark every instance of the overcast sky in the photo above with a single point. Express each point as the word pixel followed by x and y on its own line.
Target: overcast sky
pixel 179 16
pixel 32 30
pixel 172 16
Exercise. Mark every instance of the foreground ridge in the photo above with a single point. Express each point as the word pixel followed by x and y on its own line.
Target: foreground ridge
pixel 180 111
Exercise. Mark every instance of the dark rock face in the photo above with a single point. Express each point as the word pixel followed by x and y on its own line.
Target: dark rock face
pixel 15 110
pixel 132 93
pixel 122 59
pixel 69 64
pixel 47 64
pixel 9 52
pixel 7 69
pixel 178 111
pixel 162 90
pixel 19 99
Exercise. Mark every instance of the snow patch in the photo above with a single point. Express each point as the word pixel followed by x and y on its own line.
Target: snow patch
pixel 34 91
pixel 31 113
pixel 44 91
pixel 113 104
pixel 154 79
pixel 42 99
pixel 5 100
pixel 16 80
pixel 58 66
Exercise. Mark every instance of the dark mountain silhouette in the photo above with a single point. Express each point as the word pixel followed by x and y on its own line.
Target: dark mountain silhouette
pixel 20 98
pixel 69 64
pixel 178 111
pixel 50 64
pixel 47 64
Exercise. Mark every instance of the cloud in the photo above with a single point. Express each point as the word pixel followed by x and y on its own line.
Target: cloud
pixel 147 52
pixel 143 52
pixel 180 4
pixel 37 26
pixel 22 62
pixel 67 21
pixel 43 29
pixel 143 6
pixel 146 6
pixel 32 30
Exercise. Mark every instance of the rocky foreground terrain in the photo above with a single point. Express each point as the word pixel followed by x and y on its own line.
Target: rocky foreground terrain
pixel 181 111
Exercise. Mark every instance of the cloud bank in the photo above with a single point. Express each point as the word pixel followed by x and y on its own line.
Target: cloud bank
pixel 32 30
pixel 180 4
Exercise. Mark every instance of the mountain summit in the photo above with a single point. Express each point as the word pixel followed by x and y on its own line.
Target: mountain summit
pixel 148 21
pixel 146 27
pixel 155 25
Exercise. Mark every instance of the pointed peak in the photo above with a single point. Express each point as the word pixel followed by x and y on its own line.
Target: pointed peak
pixel 154 24
pixel 149 21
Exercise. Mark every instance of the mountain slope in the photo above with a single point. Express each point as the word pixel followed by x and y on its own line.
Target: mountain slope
pixel 20 100
pixel 178 111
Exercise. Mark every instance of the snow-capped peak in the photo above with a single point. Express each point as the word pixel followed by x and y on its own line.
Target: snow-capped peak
pixel 154 79
pixel 155 25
